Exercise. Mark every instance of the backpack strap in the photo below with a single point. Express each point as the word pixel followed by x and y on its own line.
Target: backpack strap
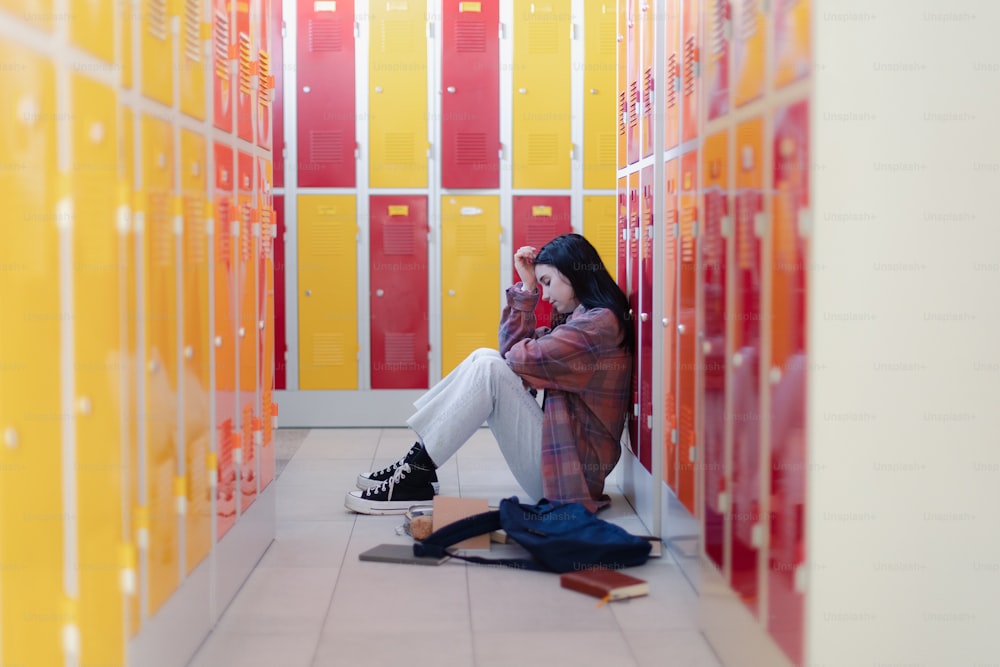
pixel 437 543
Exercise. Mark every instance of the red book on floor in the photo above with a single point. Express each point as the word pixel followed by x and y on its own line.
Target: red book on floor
pixel 605 584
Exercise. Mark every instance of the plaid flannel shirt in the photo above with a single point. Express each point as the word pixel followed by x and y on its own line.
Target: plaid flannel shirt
pixel 587 380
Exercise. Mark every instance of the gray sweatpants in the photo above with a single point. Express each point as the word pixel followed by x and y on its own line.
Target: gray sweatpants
pixel 483 388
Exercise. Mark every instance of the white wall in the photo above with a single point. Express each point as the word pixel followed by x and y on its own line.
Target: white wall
pixel 904 316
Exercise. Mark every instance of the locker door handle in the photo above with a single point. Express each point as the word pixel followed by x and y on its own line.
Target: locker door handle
pixel 522 90
pixel 378 89
pixel 309 292
pixel 306 89
pixel 379 292
pixel 451 292
pixel 680 328
pixel 451 89
pixel 644 316
pixel 593 91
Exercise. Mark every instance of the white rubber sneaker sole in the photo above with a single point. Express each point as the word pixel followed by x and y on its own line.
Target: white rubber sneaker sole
pixel 365 482
pixel 356 503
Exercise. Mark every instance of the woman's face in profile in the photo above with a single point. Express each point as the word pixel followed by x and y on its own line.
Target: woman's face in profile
pixel 555 288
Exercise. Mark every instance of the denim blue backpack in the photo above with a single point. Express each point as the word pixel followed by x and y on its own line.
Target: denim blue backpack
pixel 561 537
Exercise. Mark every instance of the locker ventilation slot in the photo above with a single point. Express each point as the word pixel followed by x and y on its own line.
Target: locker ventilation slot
pixel 325 146
pixel 609 37
pixel 246 78
pixel 399 349
pixel 399 148
pixel 470 240
pixel 672 73
pixel 324 36
pixel 220 44
pixel 328 350
pixel 467 342
pixel 540 233
pixel 328 240
pixel 719 26
pixel 633 103
pixel 194 230
pixel 266 237
pixel 647 92
pixel 222 238
pixel 622 111
pixel 160 231
pixel 745 241
pixel 690 58
pixel 397 238
pixel 542 150
pixel 470 37
pixel 245 224
pixel 397 37
pixel 686 423
pixel 543 38
pixel 470 148
pixel 749 14
pixel 712 243
pixel 192 30
pixel 687 243
pixel 606 148
pixel 156 18
pixel 264 69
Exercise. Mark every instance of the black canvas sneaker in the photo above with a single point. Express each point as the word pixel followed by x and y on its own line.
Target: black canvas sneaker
pixel 366 480
pixel 407 486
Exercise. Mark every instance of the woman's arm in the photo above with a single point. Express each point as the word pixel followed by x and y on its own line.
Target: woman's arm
pixel 517 321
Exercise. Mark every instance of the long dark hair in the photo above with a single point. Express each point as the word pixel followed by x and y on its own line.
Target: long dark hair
pixel 578 260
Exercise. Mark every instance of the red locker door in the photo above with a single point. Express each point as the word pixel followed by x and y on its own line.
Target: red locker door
pixel 645 323
pixel 787 377
pixel 622 245
pixel 222 46
pixel 470 96
pixel 325 94
pixel 713 340
pixel 691 72
pixel 244 72
pixel 632 293
pixel 224 287
pixel 744 482
pixel 247 334
pixel 670 218
pixel 280 341
pixel 399 292
pixel 686 323
pixel 720 28
pixel 277 100
pixel 265 77
pixel 538 220
pixel 632 37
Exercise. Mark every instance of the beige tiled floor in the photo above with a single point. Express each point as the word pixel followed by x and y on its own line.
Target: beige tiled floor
pixel 311 603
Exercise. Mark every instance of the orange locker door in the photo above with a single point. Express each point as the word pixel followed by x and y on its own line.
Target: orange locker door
pixel 222 47
pixel 792 51
pixel 715 165
pixel 224 275
pixel 691 68
pixel 265 73
pixel 647 20
pixel 245 68
pixel 686 334
pixel 196 367
pixel 192 60
pixel 749 38
pixel 248 331
pixel 538 220
pixel 159 317
pixel 398 279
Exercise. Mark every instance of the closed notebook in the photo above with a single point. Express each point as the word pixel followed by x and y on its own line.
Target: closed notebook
pixel 605 584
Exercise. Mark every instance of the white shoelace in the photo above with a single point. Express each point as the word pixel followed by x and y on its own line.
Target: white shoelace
pixel 390 483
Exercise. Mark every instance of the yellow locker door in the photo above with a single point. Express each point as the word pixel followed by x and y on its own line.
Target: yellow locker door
pixel 159 317
pixel 192 57
pixel 38 13
pixel 157 51
pixel 328 286
pixel 600 226
pixel 195 368
pixel 397 94
pixel 125 10
pixel 129 202
pixel 599 96
pixel 470 276
pixel 91 27
pixel 97 284
pixel 31 509
pixel 542 104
